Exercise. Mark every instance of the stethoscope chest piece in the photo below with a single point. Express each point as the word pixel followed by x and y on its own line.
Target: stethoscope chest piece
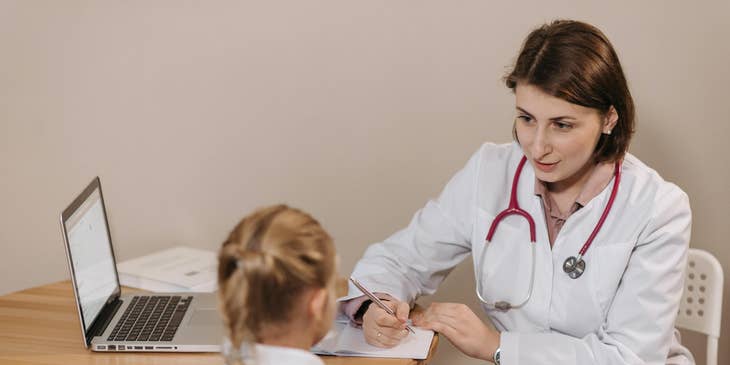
pixel 574 267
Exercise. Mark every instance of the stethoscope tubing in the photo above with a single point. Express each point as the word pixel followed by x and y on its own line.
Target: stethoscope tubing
pixel 609 205
pixel 514 208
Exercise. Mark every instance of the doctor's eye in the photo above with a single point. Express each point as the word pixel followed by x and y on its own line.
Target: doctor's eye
pixel 524 118
pixel 562 125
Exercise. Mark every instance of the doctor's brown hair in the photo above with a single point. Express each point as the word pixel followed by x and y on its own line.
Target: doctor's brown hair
pixel 269 259
pixel 574 61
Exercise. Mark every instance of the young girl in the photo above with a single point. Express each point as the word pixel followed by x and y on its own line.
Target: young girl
pixel 276 276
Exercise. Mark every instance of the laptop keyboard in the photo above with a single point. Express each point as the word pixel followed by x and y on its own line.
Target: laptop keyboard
pixel 151 318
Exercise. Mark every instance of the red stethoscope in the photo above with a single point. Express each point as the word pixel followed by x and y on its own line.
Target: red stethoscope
pixel 574 266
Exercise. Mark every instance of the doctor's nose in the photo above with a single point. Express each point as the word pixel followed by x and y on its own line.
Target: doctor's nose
pixel 540 144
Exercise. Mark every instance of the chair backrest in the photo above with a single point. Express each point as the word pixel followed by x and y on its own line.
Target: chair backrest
pixel 701 306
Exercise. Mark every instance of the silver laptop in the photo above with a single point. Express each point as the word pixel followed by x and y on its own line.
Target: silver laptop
pixel 154 322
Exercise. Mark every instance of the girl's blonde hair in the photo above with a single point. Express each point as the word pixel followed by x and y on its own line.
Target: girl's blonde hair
pixel 269 259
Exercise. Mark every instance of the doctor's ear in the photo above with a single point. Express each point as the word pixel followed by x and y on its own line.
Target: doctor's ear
pixel 317 303
pixel 610 120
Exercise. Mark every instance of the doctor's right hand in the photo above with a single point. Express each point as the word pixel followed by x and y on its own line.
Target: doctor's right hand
pixel 382 329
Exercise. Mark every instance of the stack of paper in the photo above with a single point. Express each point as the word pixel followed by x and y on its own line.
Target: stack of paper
pixel 346 340
pixel 178 269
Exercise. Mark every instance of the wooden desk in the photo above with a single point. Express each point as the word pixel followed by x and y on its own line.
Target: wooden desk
pixel 41 326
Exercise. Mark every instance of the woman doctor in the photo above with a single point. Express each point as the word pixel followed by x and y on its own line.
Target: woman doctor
pixel 601 282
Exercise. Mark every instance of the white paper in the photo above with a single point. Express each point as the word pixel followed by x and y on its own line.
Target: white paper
pixel 176 269
pixel 346 340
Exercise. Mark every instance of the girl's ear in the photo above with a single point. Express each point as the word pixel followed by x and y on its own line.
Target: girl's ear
pixel 317 303
pixel 610 120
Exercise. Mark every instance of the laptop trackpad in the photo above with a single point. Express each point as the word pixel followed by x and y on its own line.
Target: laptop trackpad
pixel 205 317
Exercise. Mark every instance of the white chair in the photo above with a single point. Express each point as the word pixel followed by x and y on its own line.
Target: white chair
pixel 701 306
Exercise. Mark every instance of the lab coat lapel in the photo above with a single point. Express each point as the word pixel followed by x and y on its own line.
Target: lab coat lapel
pixel 575 308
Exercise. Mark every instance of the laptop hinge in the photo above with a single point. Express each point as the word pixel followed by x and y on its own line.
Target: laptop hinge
pixel 103 320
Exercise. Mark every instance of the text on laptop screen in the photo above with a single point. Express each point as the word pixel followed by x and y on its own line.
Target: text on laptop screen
pixel 90 251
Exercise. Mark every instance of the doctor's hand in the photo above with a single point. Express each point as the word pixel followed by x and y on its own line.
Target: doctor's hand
pixel 382 329
pixel 462 327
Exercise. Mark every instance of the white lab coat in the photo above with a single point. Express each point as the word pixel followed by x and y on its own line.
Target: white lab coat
pixel 621 311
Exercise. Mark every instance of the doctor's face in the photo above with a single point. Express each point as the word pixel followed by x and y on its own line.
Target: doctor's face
pixel 557 137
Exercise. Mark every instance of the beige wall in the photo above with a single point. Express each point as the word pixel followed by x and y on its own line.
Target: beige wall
pixel 194 113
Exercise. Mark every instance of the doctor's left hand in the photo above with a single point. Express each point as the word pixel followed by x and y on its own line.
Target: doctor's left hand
pixel 462 327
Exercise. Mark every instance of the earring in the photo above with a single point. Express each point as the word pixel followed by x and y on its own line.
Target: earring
pixel 607 133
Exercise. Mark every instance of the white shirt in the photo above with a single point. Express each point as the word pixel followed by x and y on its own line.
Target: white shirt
pixel 277 355
pixel 620 311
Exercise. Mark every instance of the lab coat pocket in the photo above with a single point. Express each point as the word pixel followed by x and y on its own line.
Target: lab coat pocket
pixel 612 260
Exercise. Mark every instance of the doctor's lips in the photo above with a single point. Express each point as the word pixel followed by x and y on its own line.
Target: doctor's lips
pixel 545 167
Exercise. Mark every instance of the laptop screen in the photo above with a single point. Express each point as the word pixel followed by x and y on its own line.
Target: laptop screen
pixel 90 253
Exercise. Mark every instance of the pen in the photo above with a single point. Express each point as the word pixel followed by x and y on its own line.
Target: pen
pixel 377 301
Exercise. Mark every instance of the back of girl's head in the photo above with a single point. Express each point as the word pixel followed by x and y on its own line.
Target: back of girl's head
pixel 269 259
pixel 574 61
